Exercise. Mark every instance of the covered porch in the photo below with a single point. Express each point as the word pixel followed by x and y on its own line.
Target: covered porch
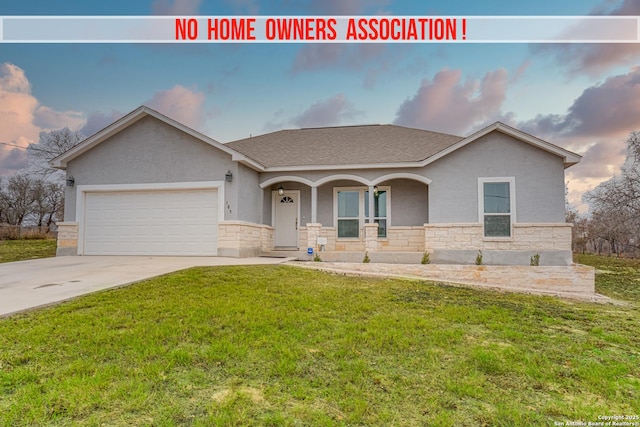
pixel 348 213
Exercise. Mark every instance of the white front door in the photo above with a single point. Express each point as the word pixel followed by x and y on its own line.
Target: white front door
pixel 286 217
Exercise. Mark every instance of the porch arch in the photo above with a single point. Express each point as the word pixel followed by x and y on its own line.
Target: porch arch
pixel 292 178
pixel 336 177
pixel 401 175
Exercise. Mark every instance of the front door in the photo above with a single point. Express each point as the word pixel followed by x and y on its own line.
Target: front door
pixel 286 218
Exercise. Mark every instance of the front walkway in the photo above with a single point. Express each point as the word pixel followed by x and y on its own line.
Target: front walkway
pixel 575 281
pixel 34 283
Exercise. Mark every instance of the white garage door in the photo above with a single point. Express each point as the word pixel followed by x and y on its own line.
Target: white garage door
pixel 159 222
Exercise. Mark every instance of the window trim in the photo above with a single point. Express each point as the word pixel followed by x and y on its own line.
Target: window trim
pixel 361 209
pixel 511 180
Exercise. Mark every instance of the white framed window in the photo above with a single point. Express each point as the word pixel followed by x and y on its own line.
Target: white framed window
pixel 351 210
pixel 497 206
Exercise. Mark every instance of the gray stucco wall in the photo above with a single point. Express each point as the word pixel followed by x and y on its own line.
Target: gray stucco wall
pixel 409 202
pixel 249 194
pixel 539 178
pixel 453 192
pixel 150 151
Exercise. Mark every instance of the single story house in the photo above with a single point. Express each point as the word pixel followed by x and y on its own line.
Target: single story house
pixel 148 185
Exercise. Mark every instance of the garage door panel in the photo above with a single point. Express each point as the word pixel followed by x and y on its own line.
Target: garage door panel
pixel 159 222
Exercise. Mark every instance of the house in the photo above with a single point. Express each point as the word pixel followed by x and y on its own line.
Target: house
pixel 148 185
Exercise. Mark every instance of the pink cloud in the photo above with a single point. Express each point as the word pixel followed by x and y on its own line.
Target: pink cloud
pixel 595 58
pixel 48 118
pixel 328 112
pixel 603 110
pixel 181 104
pixel 22 118
pixel 449 104
pixel 176 7
pixel 331 111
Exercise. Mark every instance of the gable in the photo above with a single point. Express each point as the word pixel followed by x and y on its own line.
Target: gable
pixel 131 119
pixel 149 151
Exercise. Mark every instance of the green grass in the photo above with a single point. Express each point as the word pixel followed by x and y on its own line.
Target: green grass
pixel 276 345
pixel 18 250
pixel 617 278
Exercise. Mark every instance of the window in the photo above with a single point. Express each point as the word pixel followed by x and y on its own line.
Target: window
pixel 348 214
pixel 352 211
pixel 379 210
pixel 496 198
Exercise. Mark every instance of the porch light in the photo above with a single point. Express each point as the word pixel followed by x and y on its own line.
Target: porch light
pixel 228 177
pixel 281 190
pixel 70 181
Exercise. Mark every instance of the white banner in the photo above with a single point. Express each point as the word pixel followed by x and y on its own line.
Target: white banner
pixel 319 29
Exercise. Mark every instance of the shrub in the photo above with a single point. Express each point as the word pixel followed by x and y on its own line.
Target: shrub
pixel 317 258
pixel 425 258
pixel 366 258
pixel 535 260
pixel 479 258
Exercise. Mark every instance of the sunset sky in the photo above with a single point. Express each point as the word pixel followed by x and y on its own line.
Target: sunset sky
pixel 583 97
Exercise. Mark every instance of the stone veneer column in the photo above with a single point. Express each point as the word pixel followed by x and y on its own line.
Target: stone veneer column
pixel 313 232
pixel 67 238
pixel 371 243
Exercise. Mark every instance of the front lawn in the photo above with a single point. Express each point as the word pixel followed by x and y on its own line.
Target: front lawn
pixel 617 278
pixel 276 345
pixel 18 250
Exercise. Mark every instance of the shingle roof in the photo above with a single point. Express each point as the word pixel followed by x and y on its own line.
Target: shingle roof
pixel 344 145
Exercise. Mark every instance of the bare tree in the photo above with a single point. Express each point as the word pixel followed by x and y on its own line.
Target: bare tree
pixel 615 204
pixel 48 201
pixel 29 200
pixel 17 199
pixel 51 145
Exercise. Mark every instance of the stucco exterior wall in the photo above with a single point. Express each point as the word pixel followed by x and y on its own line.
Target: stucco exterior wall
pixel 150 151
pixel 452 196
pixel 539 180
pixel 249 195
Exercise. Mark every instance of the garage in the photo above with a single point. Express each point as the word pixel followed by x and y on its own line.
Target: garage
pixel 150 222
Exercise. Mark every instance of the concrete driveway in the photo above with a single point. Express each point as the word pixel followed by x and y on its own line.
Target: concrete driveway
pixel 38 282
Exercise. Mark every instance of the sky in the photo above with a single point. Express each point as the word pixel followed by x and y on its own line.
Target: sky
pixel 582 97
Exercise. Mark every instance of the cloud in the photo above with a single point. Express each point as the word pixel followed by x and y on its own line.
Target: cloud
pixel 181 104
pixel 373 58
pixel 22 118
pixel 331 111
pixel 48 118
pixel 596 125
pixel 98 121
pixel 13 79
pixel 246 7
pixel 605 109
pixel 17 107
pixel 319 56
pixel 595 58
pixel 342 7
pixel 449 104
pixel 328 112
pixel 176 7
